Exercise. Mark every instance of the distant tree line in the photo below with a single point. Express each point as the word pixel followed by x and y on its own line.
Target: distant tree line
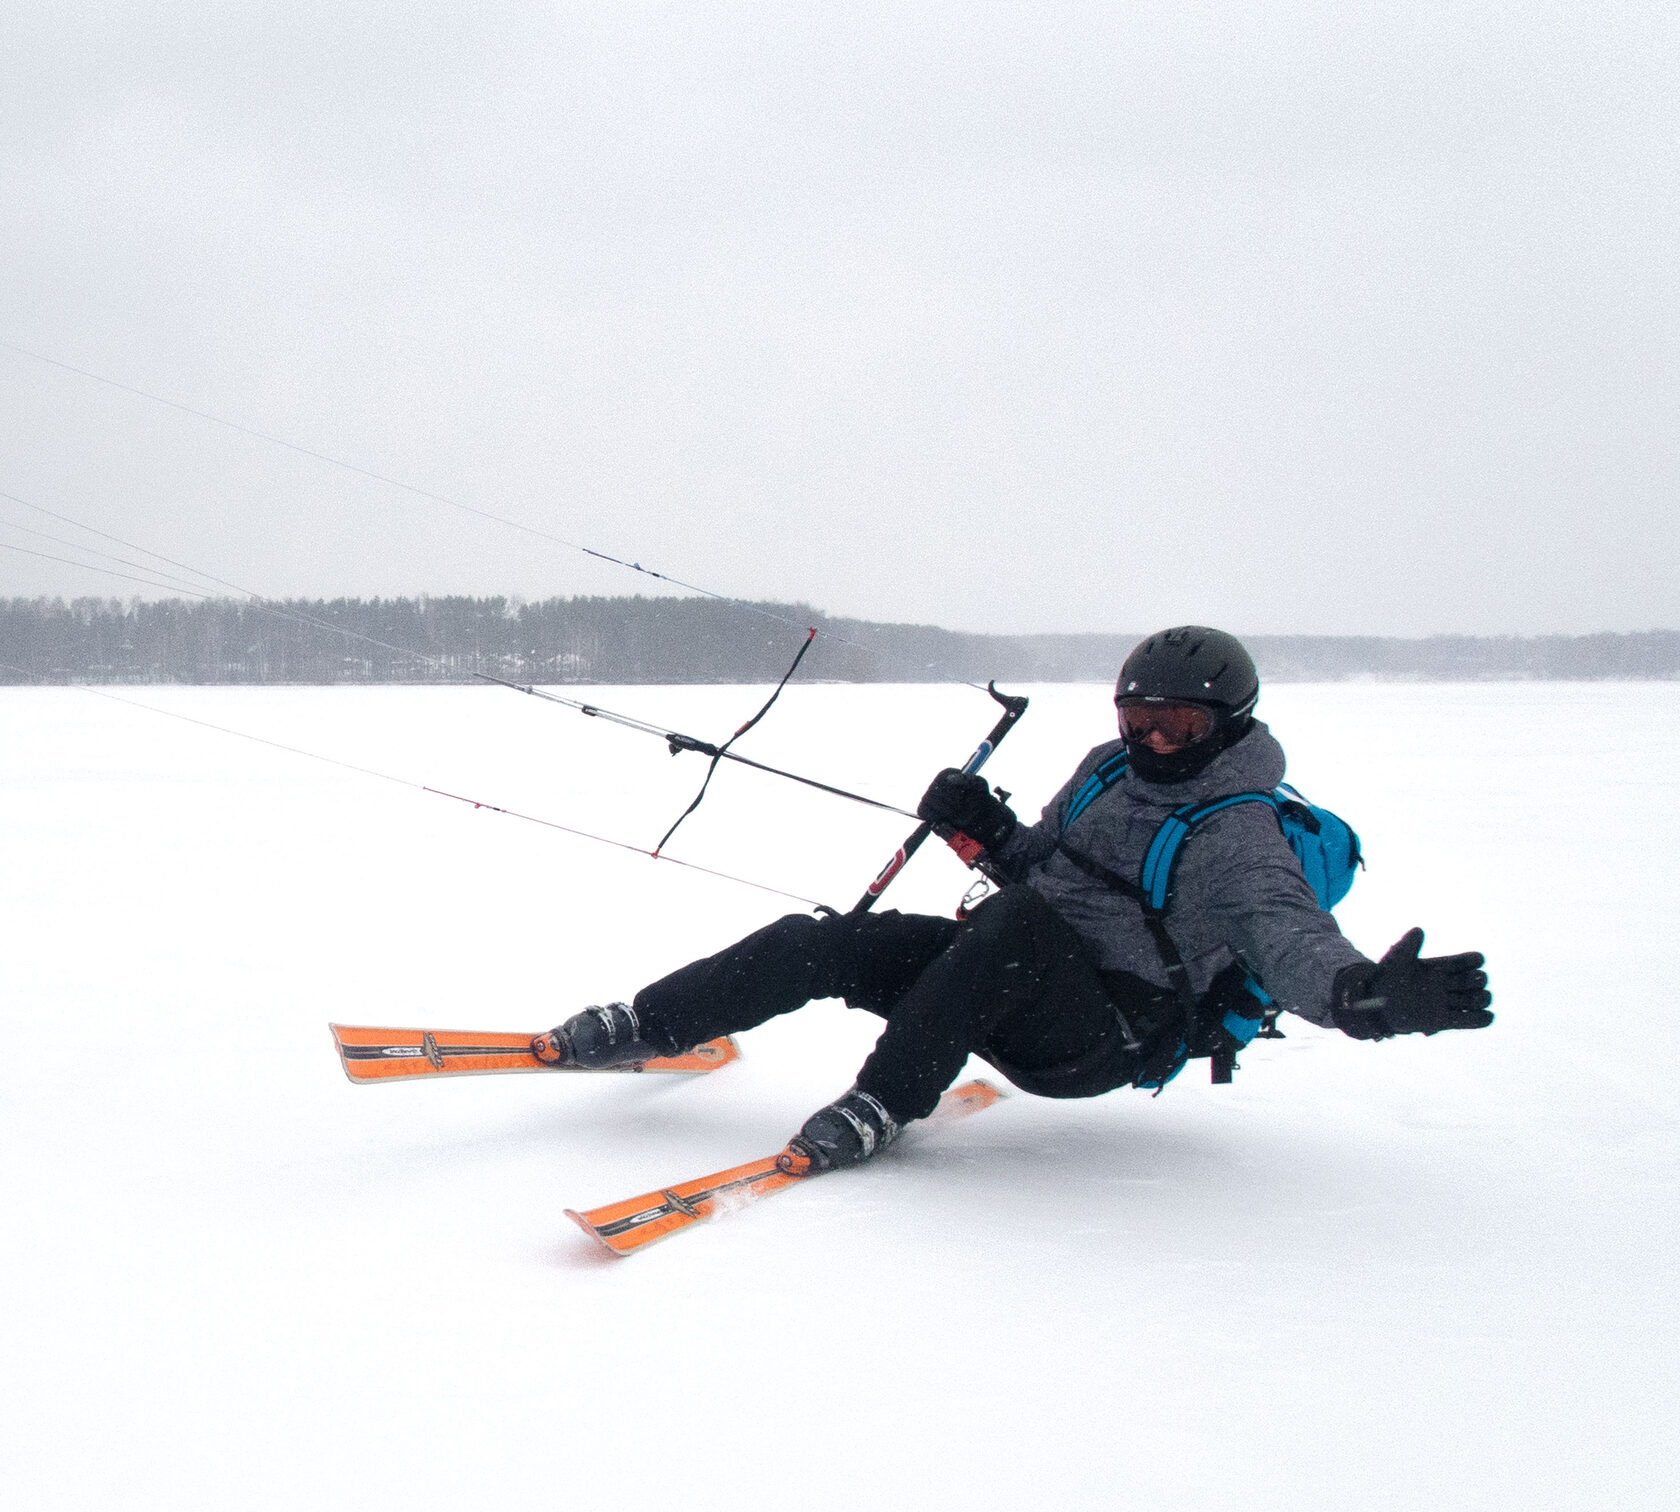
pixel 686 640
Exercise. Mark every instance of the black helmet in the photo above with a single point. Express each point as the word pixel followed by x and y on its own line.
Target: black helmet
pixel 1192 664
pixel 1195 665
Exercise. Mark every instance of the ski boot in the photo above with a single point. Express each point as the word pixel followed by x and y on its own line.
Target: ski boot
pixel 595 1038
pixel 845 1133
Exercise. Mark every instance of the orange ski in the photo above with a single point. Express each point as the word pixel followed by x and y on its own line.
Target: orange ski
pixel 626 1227
pixel 377 1055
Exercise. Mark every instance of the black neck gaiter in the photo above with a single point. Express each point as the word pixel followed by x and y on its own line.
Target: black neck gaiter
pixel 1181 766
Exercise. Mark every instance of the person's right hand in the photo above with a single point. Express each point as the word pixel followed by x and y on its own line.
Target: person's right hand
pixel 961 801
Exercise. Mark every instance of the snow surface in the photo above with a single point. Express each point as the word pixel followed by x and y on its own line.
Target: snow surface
pixel 1424 1274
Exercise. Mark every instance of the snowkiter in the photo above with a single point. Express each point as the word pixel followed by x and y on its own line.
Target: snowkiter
pixel 1060 979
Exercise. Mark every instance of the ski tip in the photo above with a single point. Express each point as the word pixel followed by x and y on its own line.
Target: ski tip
pixel 343 1060
pixel 595 1234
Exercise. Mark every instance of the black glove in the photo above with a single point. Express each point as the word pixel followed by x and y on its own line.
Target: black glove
pixel 1403 994
pixel 962 801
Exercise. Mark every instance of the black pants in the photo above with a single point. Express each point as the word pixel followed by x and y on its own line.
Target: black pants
pixel 1012 984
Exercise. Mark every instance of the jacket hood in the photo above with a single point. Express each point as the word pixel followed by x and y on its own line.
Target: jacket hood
pixel 1255 764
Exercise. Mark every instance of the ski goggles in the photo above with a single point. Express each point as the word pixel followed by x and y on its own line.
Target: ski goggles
pixel 1177 724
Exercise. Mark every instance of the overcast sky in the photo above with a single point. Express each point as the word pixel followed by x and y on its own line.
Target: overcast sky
pixel 1310 317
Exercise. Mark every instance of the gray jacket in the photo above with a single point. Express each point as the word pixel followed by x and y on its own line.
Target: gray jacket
pixel 1238 891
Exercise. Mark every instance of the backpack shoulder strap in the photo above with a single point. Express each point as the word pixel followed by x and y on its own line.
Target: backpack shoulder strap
pixel 1108 772
pixel 1155 882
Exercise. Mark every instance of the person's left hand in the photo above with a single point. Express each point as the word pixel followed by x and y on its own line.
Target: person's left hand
pixel 1405 993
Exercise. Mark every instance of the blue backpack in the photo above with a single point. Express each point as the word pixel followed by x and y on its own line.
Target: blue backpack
pixel 1323 842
